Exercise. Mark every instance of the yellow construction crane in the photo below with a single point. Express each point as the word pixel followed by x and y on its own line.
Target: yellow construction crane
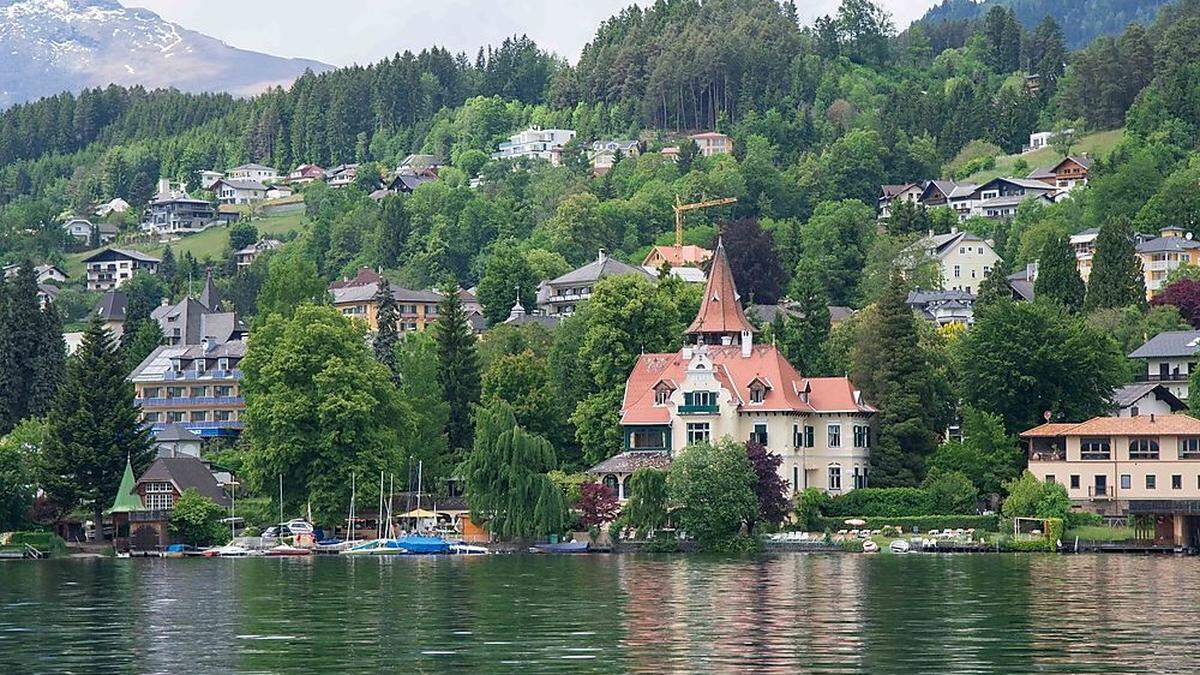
pixel 680 208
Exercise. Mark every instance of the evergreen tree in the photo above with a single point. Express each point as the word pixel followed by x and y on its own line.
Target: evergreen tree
pixel 458 369
pixel 1048 52
pixel 802 339
pixel 1116 279
pixel 1058 279
pixel 49 363
pixel 145 335
pixel 387 316
pixel 168 269
pixel 896 376
pixel 94 427
pixel 994 286
pixel 30 368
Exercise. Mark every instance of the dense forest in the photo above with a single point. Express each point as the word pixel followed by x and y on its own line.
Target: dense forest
pixel 1082 20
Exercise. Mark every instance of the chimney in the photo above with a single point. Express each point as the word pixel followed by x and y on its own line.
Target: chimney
pixel 1152 418
pixel 602 256
pixel 747 343
pixel 726 340
pixel 164 185
pixel 953 229
pixel 207 343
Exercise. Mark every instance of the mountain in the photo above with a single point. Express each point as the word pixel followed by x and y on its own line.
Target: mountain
pixel 50 46
pixel 1081 20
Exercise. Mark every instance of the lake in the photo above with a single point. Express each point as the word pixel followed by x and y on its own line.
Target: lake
pixel 779 612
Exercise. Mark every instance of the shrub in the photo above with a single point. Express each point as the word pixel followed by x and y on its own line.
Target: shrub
pixel 598 504
pixel 714 487
pixel 196 520
pixel 1029 497
pixel 647 506
pixel 867 502
pixel 809 505
pixel 1083 519
pixel 949 492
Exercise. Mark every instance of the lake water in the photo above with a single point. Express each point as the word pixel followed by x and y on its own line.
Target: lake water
pixel 1005 613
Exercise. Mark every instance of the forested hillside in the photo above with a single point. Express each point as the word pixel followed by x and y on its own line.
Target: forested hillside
pixel 1082 20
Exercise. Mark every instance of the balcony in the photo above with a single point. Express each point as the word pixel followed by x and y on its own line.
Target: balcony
pixel 190 401
pixel 1159 377
pixel 1049 456
pixel 1100 493
pixel 698 409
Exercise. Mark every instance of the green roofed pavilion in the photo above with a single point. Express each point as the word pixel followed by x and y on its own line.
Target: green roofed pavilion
pixel 127 500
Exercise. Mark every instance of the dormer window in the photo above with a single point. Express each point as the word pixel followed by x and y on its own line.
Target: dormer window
pixel 662 393
pixel 758 392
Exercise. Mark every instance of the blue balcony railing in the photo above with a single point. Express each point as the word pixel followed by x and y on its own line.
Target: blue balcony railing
pixel 698 410
pixel 190 400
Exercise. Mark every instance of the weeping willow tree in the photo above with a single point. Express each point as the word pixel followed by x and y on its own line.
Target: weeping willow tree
pixel 506 478
pixel 648 504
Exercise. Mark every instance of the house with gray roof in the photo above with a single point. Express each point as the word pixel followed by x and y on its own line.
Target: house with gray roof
pixel 562 296
pixel 191 320
pixel 1145 398
pixel 964 258
pixel 239 191
pixel 196 386
pixel 1170 358
pixel 108 269
pixel 943 307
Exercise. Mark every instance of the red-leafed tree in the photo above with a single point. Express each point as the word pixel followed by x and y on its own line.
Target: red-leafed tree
pixel 769 488
pixel 598 504
pixel 1185 295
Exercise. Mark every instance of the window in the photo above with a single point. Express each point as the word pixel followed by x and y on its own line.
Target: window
pixel 860 477
pixel 662 395
pixel 176 415
pixel 1189 447
pixel 197 392
pixel 809 436
pixel 175 392
pixel 1094 448
pixel 159 496
pixel 223 363
pixel 1126 481
pixel 957 272
pixel 862 436
pixel 222 415
pixel 760 433
pixel 151 392
pixel 1075 481
pixel 797 437
pixel 697 432
pixel 757 393
pixel 700 398
pixel 834 433
pixel 1049 479
pixel 647 439
pixel 199 416
pixel 611 482
pixel 835 478
pixel 795 479
pixel 1177 482
pixel 1143 448
pixel 223 390
pixel 1151 481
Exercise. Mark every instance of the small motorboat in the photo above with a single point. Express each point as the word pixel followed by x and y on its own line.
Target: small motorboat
pixel 287 550
pixel 377 547
pixel 180 551
pixel 424 545
pixel 870 546
pixel 230 551
pixel 899 546
pixel 469 549
pixel 563 547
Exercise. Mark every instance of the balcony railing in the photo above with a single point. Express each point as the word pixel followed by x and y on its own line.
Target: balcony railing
pixel 1158 377
pixel 698 410
pixel 1049 456
pixel 1100 492
pixel 190 400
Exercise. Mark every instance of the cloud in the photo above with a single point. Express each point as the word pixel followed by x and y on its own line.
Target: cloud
pixel 365 31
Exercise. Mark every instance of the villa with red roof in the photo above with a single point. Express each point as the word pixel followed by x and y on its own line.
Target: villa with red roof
pixel 722 384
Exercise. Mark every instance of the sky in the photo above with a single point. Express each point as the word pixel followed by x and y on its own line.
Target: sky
pixel 344 32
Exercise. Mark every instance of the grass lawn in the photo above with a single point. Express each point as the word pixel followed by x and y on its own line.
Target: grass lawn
pixel 207 244
pixel 1099 533
pixel 1097 145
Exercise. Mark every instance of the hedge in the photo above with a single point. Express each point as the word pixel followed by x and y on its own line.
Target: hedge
pixel 892 502
pixel 923 523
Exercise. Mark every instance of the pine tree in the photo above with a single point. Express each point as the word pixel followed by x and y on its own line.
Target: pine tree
pixel 994 286
pixel 1116 279
pixel 168 269
pixel 1058 279
pixel 93 428
pixel 28 352
pixel 458 369
pixel 387 316
pixel 50 362
pixel 803 338
pixel 896 376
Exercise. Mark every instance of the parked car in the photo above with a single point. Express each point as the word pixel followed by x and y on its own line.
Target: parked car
pixel 291 528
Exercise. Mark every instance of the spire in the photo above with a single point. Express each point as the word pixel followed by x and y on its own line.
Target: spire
pixel 209 297
pixel 720 314
pixel 518 310
pixel 126 500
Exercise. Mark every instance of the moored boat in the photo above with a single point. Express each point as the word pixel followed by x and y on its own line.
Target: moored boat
pixel 899 546
pixel 469 549
pixel 377 547
pixel 562 547
pixel 286 550
pixel 424 545
pixel 870 547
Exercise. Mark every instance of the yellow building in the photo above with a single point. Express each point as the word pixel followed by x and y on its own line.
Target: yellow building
pixel 356 298
pixel 1173 248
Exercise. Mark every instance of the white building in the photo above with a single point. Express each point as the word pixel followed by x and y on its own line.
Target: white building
pixel 713 143
pixel 1170 358
pixel 110 268
pixel 239 191
pixel 535 142
pixel 561 296
pixel 256 172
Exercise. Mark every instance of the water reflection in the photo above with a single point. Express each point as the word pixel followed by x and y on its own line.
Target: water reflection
pixel 830 613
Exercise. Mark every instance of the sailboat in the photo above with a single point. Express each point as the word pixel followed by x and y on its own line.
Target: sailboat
pixel 385 543
pixel 285 549
pixel 417 543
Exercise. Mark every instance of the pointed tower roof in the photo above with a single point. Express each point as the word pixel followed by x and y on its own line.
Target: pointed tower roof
pixel 518 310
pixel 209 297
pixel 126 500
pixel 720 312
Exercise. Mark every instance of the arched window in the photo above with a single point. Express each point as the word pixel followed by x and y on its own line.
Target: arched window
pixel 611 481
pixel 625 492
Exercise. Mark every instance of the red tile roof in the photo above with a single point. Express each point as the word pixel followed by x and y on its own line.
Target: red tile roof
pixel 720 312
pixel 787 390
pixel 363 277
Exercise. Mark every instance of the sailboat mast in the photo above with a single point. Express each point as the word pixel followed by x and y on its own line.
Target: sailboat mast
pixel 350 516
pixel 379 518
pixel 420 464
